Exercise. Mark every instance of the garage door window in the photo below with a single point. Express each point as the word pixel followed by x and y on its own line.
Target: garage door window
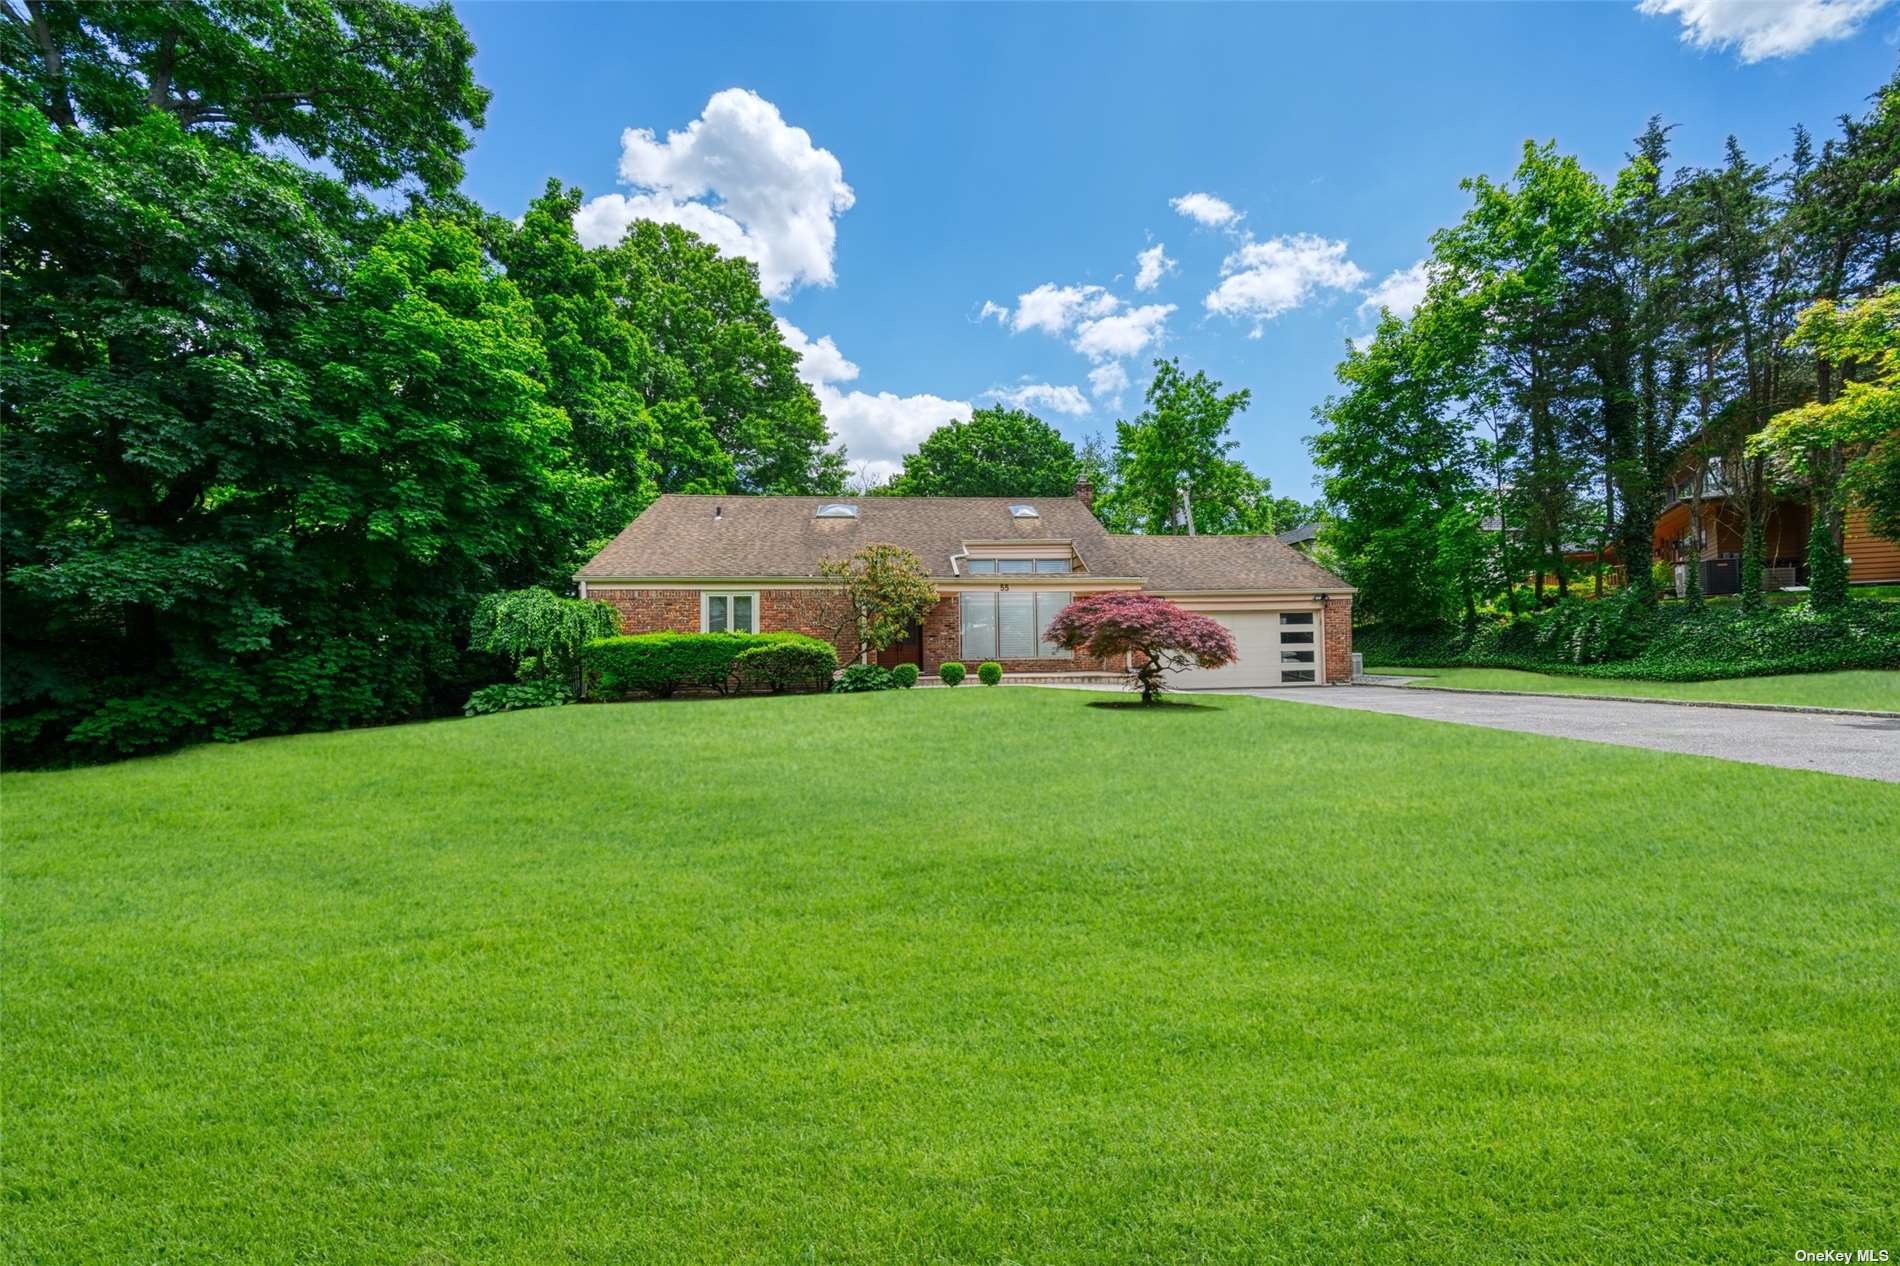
pixel 1296 657
pixel 1296 617
pixel 1296 639
pixel 1293 675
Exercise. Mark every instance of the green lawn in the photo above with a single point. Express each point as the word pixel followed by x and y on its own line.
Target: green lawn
pixel 1869 689
pixel 946 976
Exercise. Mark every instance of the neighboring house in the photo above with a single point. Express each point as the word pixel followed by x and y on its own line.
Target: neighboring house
pixel 1301 538
pixel 1872 559
pixel 1003 567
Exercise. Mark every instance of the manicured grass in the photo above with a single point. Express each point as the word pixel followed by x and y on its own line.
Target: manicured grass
pixel 1873 689
pixel 946 976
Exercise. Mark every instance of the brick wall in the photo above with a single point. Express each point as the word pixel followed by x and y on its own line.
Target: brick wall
pixel 1338 624
pixel 819 613
pixel 652 610
pixel 814 612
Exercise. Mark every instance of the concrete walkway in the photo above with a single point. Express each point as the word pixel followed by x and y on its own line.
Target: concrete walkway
pixel 1858 746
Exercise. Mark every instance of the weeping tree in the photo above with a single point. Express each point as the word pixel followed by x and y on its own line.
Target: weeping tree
pixel 542 633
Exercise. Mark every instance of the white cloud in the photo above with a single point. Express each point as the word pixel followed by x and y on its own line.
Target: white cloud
pixel 740 177
pixel 1205 208
pixel 993 309
pixel 1108 380
pixel 1123 334
pixel 1055 308
pixel 819 360
pixel 1042 395
pixel 1151 266
pixel 1761 29
pixel 877 430
pixel 1401 292
pixel 1261 280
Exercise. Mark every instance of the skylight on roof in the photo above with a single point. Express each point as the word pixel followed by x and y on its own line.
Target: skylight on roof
pixel 1021 511
pixel 836 510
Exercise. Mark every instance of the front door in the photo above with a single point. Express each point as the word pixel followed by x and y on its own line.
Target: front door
pixel 908 651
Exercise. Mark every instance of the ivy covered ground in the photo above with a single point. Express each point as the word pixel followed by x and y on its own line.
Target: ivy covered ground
pixel 971 975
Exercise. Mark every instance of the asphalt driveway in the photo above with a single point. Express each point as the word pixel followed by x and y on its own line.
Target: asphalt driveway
pixel 1858 746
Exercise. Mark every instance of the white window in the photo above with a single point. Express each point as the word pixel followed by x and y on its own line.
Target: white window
pixel 1010 625
pixel 729 613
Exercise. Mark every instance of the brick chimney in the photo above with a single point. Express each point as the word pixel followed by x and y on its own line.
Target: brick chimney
pixel 1085 492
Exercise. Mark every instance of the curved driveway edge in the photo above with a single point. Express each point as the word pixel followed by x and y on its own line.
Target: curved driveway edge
pixel 1410 683
pixel 1855 744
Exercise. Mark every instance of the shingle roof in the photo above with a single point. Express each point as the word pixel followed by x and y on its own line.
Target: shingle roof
pixel 693 537
pixel 1221 564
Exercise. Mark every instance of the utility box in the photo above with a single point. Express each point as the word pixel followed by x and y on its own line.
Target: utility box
pixel 1358 665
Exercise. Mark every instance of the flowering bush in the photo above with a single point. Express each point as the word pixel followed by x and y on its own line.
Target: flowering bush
pixel 1165 637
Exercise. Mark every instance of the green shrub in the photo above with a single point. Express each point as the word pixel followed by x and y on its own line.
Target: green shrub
pixel 989 673
pixel 952 673
pixel 791 661
pixel 863 677
pixel 516 695
pixel 661 663
pixel 906 675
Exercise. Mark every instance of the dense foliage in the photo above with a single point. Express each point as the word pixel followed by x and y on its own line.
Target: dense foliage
pixel 905 675
pixel 990 673
pixel 267 443
pixel 1623 637
pixel 951 673
pixel 997 452
pixel 1583 344
pixel 1164 638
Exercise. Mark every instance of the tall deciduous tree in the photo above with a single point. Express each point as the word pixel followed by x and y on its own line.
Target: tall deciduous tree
pixel 887 592
pixel 1176 454
pixel 710 338
pixel 996 452
pixel 380 90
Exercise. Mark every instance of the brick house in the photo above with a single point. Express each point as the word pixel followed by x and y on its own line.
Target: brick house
pixel 1002 566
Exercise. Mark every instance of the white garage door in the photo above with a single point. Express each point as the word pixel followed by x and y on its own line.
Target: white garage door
pixel 1277 648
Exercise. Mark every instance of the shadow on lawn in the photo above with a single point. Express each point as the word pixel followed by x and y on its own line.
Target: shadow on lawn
pixel 1163 705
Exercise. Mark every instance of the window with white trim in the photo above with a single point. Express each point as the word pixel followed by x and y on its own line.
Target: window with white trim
pixel 1010 625
pixel 729 613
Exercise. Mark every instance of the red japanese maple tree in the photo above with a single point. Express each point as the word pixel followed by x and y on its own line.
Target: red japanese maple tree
pixel 1165 637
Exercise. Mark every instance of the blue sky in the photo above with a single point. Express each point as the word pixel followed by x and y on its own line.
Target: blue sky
pixel 895 169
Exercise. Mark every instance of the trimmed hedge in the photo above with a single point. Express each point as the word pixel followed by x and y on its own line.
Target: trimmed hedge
pixel 989 673
pixel 792 662
pixel 661 663
pixel 952 673
pixel 906 676
pixel 1619 638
